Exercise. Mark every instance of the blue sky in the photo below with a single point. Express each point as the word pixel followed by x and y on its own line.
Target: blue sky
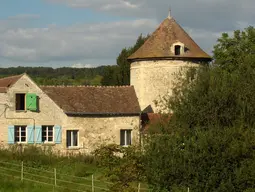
pixel 52 13
pixel 89 33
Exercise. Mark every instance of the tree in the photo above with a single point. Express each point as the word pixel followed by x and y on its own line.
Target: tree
pixel 121 74
pixel 122 165
pixel 59 76
pixel 231 52
pixel 208 144
pixel 111 76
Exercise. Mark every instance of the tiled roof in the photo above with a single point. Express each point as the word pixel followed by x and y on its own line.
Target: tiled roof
pixel 159 43
pixel 7 82
pixel 91 100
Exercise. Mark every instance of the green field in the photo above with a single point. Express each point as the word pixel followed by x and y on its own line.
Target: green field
pixel 35 169
pixel 49 172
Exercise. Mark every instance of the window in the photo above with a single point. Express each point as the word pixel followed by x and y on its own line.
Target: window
pixel 125 137
pixel 20 101
pixel 177 49
pixel 47 134
pixel 20 134
pixel 27 101
pixel 72 138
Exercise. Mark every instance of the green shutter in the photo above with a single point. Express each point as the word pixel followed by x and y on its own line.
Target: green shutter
pixel 58 134
pixel 30 134
pixel 31 101
pixel 11 134
pixel 38 134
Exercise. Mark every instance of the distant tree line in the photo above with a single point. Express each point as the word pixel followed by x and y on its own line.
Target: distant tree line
pixel 104 75
pixel 58 76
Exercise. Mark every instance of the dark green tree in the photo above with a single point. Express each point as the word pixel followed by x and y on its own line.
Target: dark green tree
pixel 121 74
pixel 111 76
pixel 208 144
pixel 233 51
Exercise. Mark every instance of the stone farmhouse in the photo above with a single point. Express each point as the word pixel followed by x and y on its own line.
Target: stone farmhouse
pixel 81 118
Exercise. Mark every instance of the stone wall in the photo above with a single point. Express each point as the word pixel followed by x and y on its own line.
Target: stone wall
pixel 93 131
pixel 154 79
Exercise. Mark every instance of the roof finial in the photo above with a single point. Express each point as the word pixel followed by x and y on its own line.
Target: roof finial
pixel 169 13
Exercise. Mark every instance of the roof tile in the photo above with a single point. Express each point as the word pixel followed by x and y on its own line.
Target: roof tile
pixel 159 43
pixel 7 82
pixel 94 100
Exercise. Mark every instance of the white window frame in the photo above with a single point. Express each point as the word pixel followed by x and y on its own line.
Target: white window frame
pixel 125 137
pixel 47 132
pixel 19 127
pixel 72 130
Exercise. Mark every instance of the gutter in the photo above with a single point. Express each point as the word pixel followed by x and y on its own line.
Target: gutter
pixel 101 114
pixel 172 58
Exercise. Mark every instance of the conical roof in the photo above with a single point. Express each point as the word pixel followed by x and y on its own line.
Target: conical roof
pixel 160 44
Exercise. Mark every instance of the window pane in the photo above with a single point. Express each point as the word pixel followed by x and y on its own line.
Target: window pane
pixel 23 139
pixel 43 129
pixel 50 134
pixel 23 134
pixel 68 138
pixel 50 128
pixel 50 139
pixel 122 137
pixel 177 49
pixel 17 139
pixel 16 132
pixel 20 101
pixel 75 138
pixel 44 139
pixel 128 139
pixel 44 134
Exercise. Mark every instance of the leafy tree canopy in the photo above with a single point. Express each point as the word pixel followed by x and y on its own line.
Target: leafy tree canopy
pixel 120 74
pixel 233 51
pixel 208 144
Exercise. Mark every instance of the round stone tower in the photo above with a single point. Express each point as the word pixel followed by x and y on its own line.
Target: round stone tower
pixel 153 66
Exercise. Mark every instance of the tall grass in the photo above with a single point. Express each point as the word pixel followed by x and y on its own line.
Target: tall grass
pixel 79 165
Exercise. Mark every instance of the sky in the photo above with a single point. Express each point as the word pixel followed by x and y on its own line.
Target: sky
pixel 90 33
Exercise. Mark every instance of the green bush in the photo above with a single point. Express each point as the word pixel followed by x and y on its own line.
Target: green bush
pixel 208 144
pixel 123 166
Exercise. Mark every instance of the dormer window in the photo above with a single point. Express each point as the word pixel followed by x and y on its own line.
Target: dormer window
pixel 177 49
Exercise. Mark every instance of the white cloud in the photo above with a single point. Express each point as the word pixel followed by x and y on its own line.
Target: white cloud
pixel 80 65
pixel 100 4
pixel 76 42
pixel 214 15
pixel 100 43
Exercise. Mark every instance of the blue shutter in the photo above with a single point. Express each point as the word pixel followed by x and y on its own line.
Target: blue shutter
pixel 11 134
pixel 30 134
pixel 57 134
pixel 38 134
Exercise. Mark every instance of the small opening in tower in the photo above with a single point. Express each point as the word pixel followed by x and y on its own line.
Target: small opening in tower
pixel 177 49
